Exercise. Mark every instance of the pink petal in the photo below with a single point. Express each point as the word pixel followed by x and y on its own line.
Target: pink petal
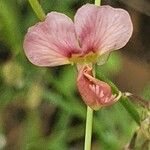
pixel 95 93
pixel 51 43
pixel 102 28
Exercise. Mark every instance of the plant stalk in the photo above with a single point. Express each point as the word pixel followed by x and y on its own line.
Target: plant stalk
pixel 88 131
pixel 89 116
pixel 98 2
pixel 37 9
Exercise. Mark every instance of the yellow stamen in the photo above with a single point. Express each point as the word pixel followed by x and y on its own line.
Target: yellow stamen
pixel 86 59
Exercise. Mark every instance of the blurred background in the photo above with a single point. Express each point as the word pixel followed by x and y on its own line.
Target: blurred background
pixel 40 108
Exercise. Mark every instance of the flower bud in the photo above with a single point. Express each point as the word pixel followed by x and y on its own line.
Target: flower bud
pixel 95 93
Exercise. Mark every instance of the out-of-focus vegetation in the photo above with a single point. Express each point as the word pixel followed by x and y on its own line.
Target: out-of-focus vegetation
pixel 40 108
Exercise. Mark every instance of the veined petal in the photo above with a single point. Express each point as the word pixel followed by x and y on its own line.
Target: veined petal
pixel 102 28
pixel 51 42
pixel 95 93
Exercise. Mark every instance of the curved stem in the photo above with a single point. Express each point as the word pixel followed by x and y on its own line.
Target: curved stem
pixel 88 131
pixel 37 9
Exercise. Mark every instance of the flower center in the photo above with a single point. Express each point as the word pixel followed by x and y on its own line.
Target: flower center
pixel 84 59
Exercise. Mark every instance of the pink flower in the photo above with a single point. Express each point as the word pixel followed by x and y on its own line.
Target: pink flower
pixel 95 93
pixel 96 30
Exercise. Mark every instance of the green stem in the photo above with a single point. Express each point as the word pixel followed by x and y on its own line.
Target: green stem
pixel 97 2
pixel 37 9
pixel 89 122
pixel 89 116
pixel 88 131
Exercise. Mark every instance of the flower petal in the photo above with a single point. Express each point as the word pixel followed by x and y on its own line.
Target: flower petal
pixel 51 42
pixel 95 93
pixel 102 28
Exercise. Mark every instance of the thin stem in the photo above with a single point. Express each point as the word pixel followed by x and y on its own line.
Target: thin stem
pixel 89 116
pixel 37 9
pixel 88 131
pixel 97 2
pixel 89 122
